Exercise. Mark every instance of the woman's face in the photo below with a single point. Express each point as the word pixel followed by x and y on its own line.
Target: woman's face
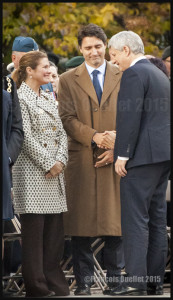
pixel 42 72
pixel 54 78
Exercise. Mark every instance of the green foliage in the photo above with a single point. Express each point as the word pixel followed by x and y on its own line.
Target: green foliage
pixel 54 26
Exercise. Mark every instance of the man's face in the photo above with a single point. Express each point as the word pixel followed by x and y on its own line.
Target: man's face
pixel 112 56
pixel 120 58
pixel 16 56
pixel 167 62
pixel 93 50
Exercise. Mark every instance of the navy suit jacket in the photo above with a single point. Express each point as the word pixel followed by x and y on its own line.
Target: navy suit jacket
pixel 143 115
pixel 7 123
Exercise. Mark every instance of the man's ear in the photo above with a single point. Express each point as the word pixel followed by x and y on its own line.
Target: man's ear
pixel 126 50
pixel 13 57
pixel 80 50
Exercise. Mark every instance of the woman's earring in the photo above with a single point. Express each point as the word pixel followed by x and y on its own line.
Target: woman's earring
pixel 30 76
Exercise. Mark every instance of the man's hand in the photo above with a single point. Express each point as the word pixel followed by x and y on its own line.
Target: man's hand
pixel 105 159
pixel 55 170
pixel 120 167
pixel 98 138
pixel 108 141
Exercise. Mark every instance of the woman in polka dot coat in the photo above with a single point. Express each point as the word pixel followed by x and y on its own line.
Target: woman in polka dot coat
pixel 38 180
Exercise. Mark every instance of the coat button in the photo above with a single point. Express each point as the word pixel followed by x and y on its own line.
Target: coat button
pixel 54 128
pixel 45 145
pixel 95 109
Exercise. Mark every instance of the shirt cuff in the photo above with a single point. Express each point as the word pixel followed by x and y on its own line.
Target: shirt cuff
pixel 123 158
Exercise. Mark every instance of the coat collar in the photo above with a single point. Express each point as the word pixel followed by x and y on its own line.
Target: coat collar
pixel 84 81
pixel 45 101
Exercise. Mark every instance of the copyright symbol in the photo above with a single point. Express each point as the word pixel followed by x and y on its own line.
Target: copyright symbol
pixel 87 279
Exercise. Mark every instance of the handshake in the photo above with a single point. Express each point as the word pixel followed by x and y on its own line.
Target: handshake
pixel 105 140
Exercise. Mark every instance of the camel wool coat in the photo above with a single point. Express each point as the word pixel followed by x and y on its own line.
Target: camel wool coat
pixel 93 194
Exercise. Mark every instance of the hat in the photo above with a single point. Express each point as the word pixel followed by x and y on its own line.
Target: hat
pixel 166 52
pixel 24 44
pixel 53 57
pixel 74 62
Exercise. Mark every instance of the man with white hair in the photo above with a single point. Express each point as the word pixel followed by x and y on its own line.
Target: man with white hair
pixel 142 159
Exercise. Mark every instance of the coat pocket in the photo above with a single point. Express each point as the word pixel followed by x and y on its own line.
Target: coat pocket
pixel 160 143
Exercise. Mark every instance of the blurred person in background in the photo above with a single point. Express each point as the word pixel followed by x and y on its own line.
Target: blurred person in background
pixel 38 180
pixel 21 46
pixel 166 57
pixel 158 62
pixel 54 79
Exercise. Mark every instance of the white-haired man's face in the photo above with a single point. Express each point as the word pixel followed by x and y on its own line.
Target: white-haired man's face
pixel 121 58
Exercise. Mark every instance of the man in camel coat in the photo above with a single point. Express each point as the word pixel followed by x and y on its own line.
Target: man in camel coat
pixel 92 186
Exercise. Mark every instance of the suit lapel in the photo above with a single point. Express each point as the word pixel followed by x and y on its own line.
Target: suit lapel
pixel 111 81
pixel 84 81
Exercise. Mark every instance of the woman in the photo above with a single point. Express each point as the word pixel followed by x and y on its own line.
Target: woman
pixel 38 180
pixel 54 78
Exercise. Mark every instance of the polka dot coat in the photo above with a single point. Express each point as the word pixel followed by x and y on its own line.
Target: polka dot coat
pixel 45 142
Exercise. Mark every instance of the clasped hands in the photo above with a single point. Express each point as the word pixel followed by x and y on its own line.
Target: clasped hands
pixel 105 140
pixel 55 170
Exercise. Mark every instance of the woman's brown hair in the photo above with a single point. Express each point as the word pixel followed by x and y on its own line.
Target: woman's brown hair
pixel 30 59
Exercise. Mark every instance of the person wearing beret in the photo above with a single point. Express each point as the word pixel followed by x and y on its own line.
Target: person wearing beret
pixel 21 46
pixel 74 62
pixel 166 57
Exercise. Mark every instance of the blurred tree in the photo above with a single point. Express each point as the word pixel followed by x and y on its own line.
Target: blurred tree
pixel 54 26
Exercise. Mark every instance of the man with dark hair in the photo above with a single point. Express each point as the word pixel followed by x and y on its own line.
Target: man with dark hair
pixel 87 106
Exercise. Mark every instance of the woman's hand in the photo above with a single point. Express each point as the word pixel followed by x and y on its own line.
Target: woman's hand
pixel 55 170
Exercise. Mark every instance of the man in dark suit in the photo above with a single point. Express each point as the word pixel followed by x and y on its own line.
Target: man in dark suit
pixel 142 158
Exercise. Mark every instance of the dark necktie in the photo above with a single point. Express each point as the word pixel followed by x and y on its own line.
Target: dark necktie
pixel 97 85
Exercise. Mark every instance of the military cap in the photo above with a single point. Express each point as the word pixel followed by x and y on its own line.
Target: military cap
pixel 24 44
pixel 74 62
pixel 166 52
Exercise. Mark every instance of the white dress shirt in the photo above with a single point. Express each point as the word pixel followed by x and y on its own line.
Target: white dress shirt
pixel 132 64
pixel 101 74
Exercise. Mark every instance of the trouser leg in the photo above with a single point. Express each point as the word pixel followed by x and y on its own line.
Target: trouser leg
pixel 53 243
pixel 113 258
pixel 32 226
pixel 157 250
pixel 83 263
pixel 137 189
